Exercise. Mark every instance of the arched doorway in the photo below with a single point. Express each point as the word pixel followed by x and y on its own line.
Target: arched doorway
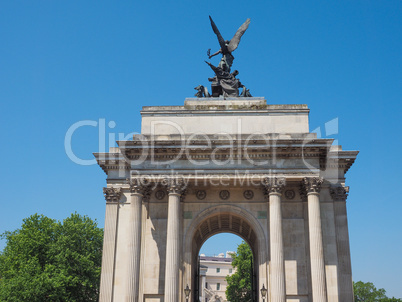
pixel 215 266
pixel 225 219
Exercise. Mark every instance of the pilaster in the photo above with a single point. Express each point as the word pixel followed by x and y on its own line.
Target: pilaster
pixel 112 196
pixel 339 194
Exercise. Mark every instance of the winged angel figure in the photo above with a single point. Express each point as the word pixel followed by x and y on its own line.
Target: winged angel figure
pixel 227 47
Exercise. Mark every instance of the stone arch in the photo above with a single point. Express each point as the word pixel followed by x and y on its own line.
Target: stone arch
pixel 224 222
pixel 225 219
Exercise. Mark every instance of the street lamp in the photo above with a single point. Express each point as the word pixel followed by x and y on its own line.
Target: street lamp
pixel 263 292
pixel 244 292
pixel 187 292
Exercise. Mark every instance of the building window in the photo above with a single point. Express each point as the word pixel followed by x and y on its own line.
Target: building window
pixel 218 286
pixel 230 270
pixel 218 270
pixel 206 284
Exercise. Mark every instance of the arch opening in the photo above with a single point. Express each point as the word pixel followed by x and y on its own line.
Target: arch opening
pixel 214 266
pixel 218 223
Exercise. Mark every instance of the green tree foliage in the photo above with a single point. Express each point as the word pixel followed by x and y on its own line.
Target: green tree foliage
pixel 239 284
pixel 47 260
pixel 367 292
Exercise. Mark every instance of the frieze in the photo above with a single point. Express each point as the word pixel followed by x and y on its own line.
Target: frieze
pixel 261 155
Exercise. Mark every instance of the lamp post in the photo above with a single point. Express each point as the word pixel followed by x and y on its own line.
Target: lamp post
pixel 244 292
pixel 187 292
pixel 263 292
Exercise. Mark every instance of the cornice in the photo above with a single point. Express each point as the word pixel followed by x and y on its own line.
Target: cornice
pixel 163 150
pixel 206 106
pixel 340 160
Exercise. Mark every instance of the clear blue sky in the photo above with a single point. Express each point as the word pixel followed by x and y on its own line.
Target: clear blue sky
pixel 67 61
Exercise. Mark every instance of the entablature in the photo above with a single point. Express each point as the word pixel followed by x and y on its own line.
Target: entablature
pixel 238 147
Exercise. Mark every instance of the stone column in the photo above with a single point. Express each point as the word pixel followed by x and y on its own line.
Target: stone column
pixel 175 188
pixel 139 189
pixel 273 188
pixel 112 196
pixel 202 288
pixel 339 194
pixel 312 187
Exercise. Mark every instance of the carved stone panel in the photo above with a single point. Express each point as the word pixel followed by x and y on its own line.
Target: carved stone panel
pixel 201 194
pixel 248 194
pixel 224 194
pixel 160 194
pixel 290 194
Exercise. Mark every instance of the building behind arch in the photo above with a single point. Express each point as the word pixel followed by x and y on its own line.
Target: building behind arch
pixel 213 273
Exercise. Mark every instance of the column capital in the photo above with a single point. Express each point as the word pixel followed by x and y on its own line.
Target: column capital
pixel 273 185
pixel 310 185
pixel 175 185
pixel 339 192
pixel 140 185
pixel 112 194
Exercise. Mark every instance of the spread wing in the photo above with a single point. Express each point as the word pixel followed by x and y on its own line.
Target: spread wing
pixel 236 38
pixel 218 34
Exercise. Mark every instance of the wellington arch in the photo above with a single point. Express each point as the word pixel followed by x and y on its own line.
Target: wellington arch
pixel 236 165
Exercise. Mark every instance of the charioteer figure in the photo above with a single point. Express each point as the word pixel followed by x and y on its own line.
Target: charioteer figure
pixel 225 83
pixel 227 47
